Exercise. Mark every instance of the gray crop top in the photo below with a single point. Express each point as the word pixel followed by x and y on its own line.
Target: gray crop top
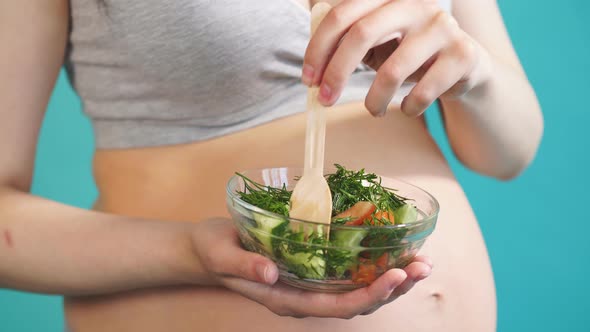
pixel 153 72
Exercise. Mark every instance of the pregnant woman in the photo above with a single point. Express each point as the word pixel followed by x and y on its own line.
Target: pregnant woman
pixel 182 93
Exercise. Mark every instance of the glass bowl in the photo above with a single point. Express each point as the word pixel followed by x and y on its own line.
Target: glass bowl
pixel 353 257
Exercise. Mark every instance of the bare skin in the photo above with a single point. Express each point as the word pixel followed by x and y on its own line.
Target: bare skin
pixel 151 285
pixel 459 295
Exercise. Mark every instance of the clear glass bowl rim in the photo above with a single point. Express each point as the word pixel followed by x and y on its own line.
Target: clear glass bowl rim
pixel 235 198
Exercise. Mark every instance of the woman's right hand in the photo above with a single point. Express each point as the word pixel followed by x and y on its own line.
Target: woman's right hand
pixel 254 276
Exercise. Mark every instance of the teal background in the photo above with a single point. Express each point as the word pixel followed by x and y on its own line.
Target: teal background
pixel 535 226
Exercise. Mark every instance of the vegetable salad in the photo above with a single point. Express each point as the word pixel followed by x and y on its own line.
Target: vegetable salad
pixel 349 252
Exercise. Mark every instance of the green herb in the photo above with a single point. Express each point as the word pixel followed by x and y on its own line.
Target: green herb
pixel 378 221
pixel 301 242
pixel 338 261
pixel 304 254
pixel 306 250
pixel 341 221
pixel 383 237
pixel 349 187
pixel 276 200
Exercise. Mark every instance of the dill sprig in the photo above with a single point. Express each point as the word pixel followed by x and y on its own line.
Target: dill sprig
pixel 349 187
pixel 341 221
pixel 268 198
pixel 383 237
pixel 378 221
pixel 302 242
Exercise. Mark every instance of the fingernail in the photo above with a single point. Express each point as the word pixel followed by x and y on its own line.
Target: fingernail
pixel 272 274
pixel 325 93
pixel 376 112
pixel 267 273
pixel 261 270
pixel 423 275
pixel 307 75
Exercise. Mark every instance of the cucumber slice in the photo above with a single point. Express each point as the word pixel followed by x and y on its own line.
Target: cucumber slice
pixel 348 238
pixel 406 214
pixel 266 227
pixel 306 265
pixel 304 261
pixel 348 242
pixel 310 265
pixel 268 223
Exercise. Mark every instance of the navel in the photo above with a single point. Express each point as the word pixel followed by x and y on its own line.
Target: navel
pixel 8 238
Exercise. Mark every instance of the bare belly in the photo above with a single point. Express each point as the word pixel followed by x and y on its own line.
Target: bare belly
pixel 187 183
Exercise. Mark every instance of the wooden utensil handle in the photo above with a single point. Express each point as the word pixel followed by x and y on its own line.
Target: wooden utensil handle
pixel 316 117
pixel 316 133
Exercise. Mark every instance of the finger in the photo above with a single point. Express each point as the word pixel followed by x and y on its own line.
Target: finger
pixel 382 25
pixel 278 298
pixel 450 68
pixel 288 301
pixel 415 50
pixel 424 259
pixel 353 303
pixel 228 258
pixel 261 293
pixel 330 32
pixel 416 272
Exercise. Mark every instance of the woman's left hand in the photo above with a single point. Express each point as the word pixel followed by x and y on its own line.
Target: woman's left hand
pixel 403 40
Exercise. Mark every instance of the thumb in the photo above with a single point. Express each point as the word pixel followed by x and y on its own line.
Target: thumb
pixel 235 261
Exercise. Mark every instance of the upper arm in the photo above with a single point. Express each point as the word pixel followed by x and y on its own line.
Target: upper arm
pixel 33 36
pixel 482 20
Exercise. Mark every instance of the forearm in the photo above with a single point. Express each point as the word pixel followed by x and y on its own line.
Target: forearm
pixel 48 247
pixel 495 129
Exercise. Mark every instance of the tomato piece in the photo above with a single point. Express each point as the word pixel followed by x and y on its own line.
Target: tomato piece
pixel 381 262
pixel 384 215
pixel 359 212
pixel 366 273
pixel 367 269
